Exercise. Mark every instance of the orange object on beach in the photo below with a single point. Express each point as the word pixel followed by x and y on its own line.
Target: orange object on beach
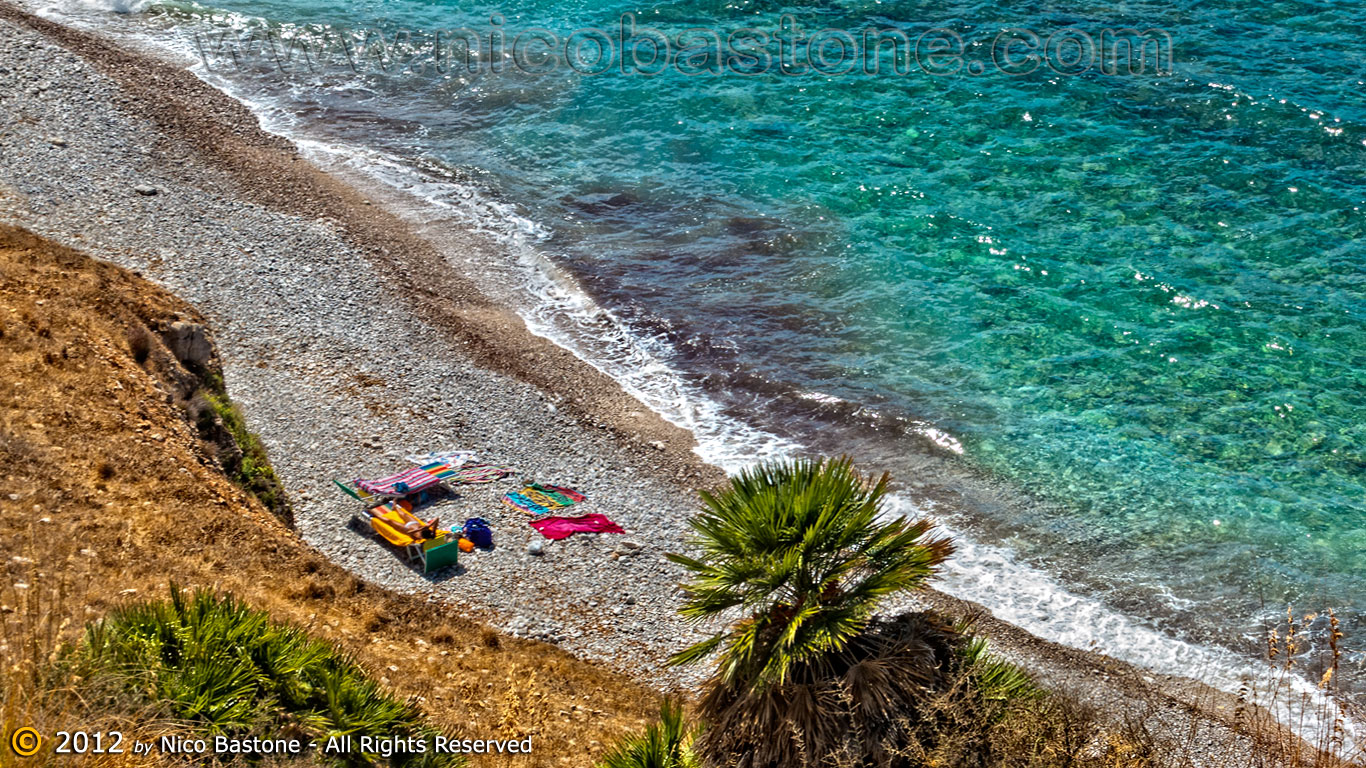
pixel 466 545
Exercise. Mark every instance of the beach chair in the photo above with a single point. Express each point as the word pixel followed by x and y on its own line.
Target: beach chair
pixel 359 494
pixel 405 483
pixel 389 520
pixel 440 552
pixel 434 553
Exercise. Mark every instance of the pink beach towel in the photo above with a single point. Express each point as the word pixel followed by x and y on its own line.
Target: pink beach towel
pixel 563 527
pixel 414 479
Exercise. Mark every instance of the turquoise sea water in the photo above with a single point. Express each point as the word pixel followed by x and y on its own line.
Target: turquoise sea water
pixel 1137 300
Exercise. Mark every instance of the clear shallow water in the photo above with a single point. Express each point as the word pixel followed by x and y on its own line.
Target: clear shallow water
pixel 1134 302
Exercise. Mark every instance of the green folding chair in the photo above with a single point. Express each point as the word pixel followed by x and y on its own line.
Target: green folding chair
pixel 440 552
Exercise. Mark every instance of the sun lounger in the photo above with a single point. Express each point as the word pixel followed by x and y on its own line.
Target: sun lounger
pixel 359 494
pixel 404 483
pixel 388 520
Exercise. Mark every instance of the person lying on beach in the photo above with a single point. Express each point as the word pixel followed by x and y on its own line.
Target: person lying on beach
pixel 411 525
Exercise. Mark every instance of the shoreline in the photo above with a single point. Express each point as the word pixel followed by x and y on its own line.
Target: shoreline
pixel 570 419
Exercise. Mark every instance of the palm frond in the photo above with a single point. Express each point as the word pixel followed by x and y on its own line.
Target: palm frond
pixel 667 743
pixel 994 678
pixel 223 667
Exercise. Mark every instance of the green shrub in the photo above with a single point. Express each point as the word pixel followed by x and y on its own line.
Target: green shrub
pixel 666 744
pixel 223 668
pixel 993 678
pixel 254 472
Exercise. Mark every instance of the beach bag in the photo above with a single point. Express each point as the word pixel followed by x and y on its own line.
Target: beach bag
pixel 478 531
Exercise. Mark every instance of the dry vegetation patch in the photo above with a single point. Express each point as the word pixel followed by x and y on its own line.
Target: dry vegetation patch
pixel 108 491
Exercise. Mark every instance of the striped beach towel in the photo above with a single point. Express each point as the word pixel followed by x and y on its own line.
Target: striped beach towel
pixel 467 473
pixel 561 495
pixel 523 503
pixel 402 484
pixel 536 499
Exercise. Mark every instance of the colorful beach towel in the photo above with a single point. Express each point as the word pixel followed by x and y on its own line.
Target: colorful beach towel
pixel 557 528
pixel 402 484
pixel 468 473
pixel 536 499
pixel 559 494
pixel 525 504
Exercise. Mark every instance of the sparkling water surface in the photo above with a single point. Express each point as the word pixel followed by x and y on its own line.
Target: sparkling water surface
pixel 1137 301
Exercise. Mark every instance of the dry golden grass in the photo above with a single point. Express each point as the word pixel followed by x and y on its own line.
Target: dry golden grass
pixel 107 493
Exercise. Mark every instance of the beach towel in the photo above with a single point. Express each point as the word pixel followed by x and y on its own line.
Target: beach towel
pixel 553 495
pixel 569 495
pixel 544 499
pixel 522 503
pixel 556 528
pixel 452 458
pixel 467 473
pixel 443 471
pixel 402 484
pixel 538 499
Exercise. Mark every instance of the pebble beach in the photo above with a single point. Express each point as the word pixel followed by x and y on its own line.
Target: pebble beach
pixel 350 341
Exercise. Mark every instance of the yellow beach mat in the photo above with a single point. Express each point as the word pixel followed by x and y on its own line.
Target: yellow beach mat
pixel 439 551
pixel 389 520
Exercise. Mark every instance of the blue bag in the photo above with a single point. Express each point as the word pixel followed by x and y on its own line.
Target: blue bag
pixel 478 532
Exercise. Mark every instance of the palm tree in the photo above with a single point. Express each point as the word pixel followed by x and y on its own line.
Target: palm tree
pixel 801 553
pixel 795 559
